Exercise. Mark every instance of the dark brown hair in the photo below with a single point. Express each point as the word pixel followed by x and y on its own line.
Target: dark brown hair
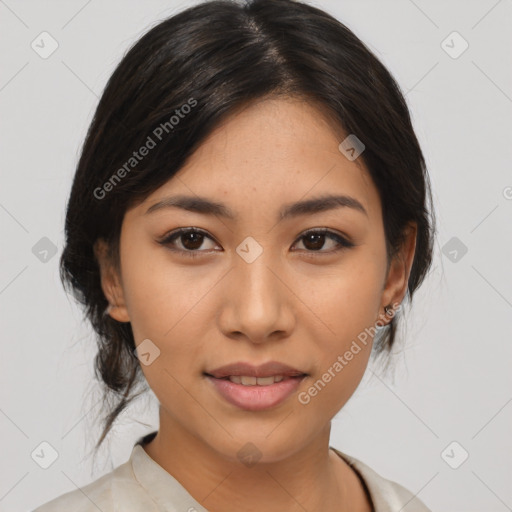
pixel 220 56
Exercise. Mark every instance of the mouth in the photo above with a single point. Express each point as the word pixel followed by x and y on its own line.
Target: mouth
pixel 248 371
pixel 250 380
pixel 252 393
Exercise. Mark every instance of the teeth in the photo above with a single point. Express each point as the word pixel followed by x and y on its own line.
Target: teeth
pixel 253 381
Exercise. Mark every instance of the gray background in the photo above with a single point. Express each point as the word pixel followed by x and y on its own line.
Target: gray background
pixel 452 380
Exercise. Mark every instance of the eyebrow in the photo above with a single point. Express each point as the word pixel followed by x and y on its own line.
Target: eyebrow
pixel 207 206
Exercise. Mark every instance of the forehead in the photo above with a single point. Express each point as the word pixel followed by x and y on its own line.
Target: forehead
pixel 270 153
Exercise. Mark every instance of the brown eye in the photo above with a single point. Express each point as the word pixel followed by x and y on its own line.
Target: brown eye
pixel 187 241
pixel 313 241
pixel 192 240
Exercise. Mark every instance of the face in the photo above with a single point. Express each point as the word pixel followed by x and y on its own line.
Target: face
pixel 253 287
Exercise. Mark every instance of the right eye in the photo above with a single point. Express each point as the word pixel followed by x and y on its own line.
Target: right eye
pixel 190 239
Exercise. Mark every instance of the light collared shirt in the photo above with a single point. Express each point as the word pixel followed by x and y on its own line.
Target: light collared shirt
pixel 142 485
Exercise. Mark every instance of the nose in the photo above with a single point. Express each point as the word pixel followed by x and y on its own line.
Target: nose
pixel 257 303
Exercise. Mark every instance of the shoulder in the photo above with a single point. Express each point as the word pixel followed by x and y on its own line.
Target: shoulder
pixel 117 490
pixel 94 496
pixel 387 495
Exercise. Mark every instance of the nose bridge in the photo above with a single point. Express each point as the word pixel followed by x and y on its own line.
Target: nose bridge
pixel 253 271
pixel 259 302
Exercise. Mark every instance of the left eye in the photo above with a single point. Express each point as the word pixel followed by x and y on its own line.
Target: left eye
pixel 191 239
pixel 315 240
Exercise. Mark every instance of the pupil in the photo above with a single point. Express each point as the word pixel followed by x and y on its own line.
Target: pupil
pixel 315 238
pixel 194 238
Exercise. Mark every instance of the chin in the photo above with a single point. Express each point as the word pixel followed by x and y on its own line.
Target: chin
pixel 259 448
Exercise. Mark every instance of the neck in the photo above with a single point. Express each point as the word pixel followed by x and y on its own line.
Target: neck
pixel 312 478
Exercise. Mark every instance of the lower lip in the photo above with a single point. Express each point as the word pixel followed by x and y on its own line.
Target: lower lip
pixel 256 398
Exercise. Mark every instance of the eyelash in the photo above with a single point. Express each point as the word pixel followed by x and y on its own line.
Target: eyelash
pixel 168 239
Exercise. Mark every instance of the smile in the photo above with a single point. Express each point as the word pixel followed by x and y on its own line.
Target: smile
pixel 255 393
pixel 249 380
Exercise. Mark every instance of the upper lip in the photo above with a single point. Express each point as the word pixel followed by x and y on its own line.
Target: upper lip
pixel 265 370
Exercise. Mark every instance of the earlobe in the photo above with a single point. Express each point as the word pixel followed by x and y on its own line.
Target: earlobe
pixel 399 271
pixel 110 283
pixel 118 313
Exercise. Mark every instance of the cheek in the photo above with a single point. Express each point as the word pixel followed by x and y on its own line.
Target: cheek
pixel 170 306
pixel 346 304
pixel 160 295
pixel 323 399
pixel 342 359
pixel 347 300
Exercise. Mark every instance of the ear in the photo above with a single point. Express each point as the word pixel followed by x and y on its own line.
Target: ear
pixel 397 278
pixel 111 282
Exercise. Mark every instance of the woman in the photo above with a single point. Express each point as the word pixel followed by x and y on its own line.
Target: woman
pixel 248 213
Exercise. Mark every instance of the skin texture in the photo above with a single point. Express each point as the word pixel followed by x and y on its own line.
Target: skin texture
pixel 293 304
